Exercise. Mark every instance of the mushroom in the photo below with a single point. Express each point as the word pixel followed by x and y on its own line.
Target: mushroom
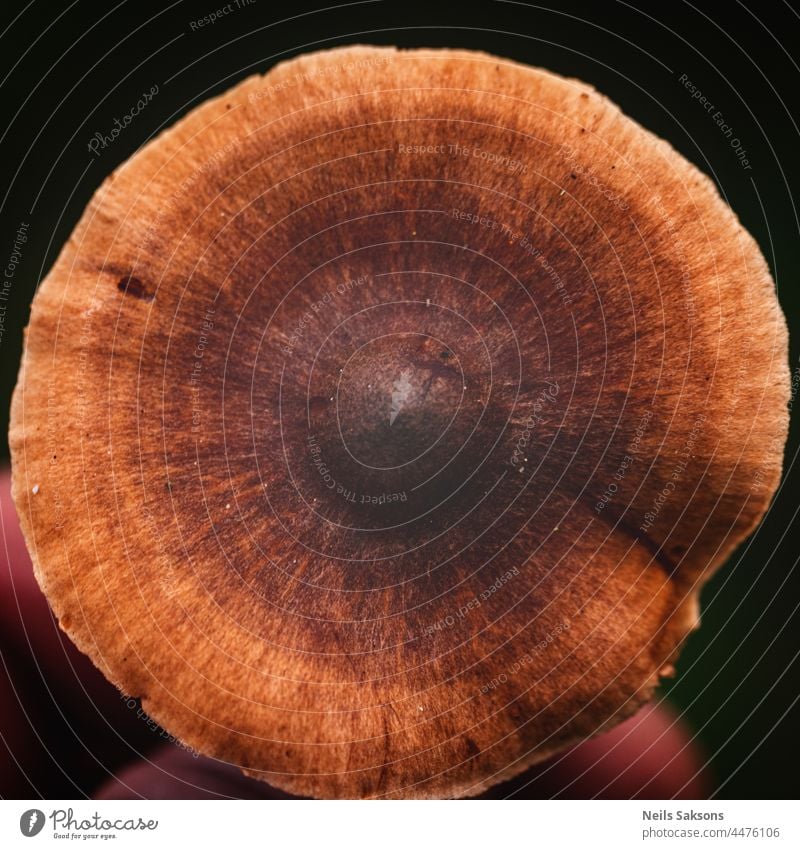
pixel 388 414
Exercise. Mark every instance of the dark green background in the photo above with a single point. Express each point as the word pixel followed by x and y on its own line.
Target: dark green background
pixel 71 69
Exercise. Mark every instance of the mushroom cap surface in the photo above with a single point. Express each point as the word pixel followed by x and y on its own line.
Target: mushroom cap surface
pixel 380 422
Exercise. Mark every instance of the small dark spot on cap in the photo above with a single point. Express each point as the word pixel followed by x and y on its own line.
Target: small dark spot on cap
pixel 445 355
pixel 131 285
pixel 574 176
pixel 317 405
pixel 472 747
pixel 584 95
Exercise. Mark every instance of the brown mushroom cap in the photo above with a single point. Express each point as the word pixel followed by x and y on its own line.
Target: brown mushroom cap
pixel 380 422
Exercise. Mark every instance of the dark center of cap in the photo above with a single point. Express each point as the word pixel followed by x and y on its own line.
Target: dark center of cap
pixel 397 398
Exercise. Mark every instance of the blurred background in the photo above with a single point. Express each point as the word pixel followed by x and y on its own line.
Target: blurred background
pixel 70 69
